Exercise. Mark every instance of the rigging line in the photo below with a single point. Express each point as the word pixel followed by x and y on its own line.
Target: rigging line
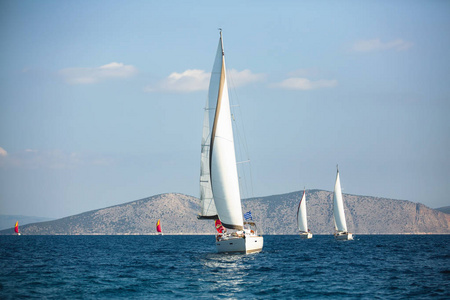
pixel 243 151
pixel 245 181
pixel 248 170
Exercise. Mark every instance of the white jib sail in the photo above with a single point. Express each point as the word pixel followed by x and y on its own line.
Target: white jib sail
pixel 223 170
pixel 208 208
pixel 338 206
pixel 302 222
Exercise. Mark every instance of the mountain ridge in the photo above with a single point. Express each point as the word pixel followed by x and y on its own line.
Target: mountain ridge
pixel 6 221
pixel 444 209
pixel 275 214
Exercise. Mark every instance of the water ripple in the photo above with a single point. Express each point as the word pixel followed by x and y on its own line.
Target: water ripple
pixel 142 267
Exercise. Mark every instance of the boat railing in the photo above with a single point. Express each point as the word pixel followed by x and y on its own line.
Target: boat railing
pixel 251 227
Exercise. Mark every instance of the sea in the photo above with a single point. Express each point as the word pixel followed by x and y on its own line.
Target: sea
pixel 180 266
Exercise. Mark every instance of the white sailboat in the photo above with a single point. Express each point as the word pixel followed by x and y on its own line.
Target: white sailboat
pixel 220 167
pixel 340 225
pixel 302 222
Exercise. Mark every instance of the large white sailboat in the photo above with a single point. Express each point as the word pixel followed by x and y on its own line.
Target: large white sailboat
pixel 340 225
pixel 302 222
pixel 220 195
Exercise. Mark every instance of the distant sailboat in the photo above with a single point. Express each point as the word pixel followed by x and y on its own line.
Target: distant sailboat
pixel 158 227
pixel 16 228
pixel 221 197
pixel 302 222
pixel 340 225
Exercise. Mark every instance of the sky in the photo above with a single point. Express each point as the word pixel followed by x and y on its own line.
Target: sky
pixel 101 102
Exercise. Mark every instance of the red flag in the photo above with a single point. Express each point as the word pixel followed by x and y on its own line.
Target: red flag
pixel 219 226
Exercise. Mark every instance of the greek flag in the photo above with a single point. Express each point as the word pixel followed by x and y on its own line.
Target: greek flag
pixel 248 215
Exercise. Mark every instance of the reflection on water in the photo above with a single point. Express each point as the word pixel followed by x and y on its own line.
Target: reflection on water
pixel 225 273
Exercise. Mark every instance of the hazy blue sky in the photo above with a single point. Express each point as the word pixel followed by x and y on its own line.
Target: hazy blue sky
pixel 101 102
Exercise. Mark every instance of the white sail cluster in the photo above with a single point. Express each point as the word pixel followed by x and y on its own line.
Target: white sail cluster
pixel 340 225
pixel 219 183
pixel 220 193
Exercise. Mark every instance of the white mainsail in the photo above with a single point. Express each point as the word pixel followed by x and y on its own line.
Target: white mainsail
pixel 208 208
pixel 338 207
pixel 222 159
pixel 302 222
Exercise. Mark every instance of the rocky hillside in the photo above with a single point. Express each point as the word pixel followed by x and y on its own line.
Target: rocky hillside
pixel 273 214
pixel 364 214
pixel 178 214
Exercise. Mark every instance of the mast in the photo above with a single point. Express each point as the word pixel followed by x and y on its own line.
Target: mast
pixel 222 158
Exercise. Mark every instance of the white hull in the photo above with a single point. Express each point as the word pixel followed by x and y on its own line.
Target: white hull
pixel 343 236
pixel 248 244
pixel 306 235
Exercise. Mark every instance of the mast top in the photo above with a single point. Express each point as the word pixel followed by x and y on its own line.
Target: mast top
pixel 221 40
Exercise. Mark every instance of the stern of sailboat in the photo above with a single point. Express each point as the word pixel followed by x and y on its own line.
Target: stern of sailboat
pixel 343 236
pixel 306 235
pixel 243 241
pixel 245 244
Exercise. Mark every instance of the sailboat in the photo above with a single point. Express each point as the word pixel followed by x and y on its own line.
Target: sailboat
pixel 219 178
pixel 302 222
pixel 158 227
pixel 340 225
pixel 16 228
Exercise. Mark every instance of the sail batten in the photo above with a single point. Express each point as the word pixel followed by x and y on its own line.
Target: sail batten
pixel 214 217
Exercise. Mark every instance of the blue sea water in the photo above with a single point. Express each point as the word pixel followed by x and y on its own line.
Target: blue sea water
pixel 149 267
